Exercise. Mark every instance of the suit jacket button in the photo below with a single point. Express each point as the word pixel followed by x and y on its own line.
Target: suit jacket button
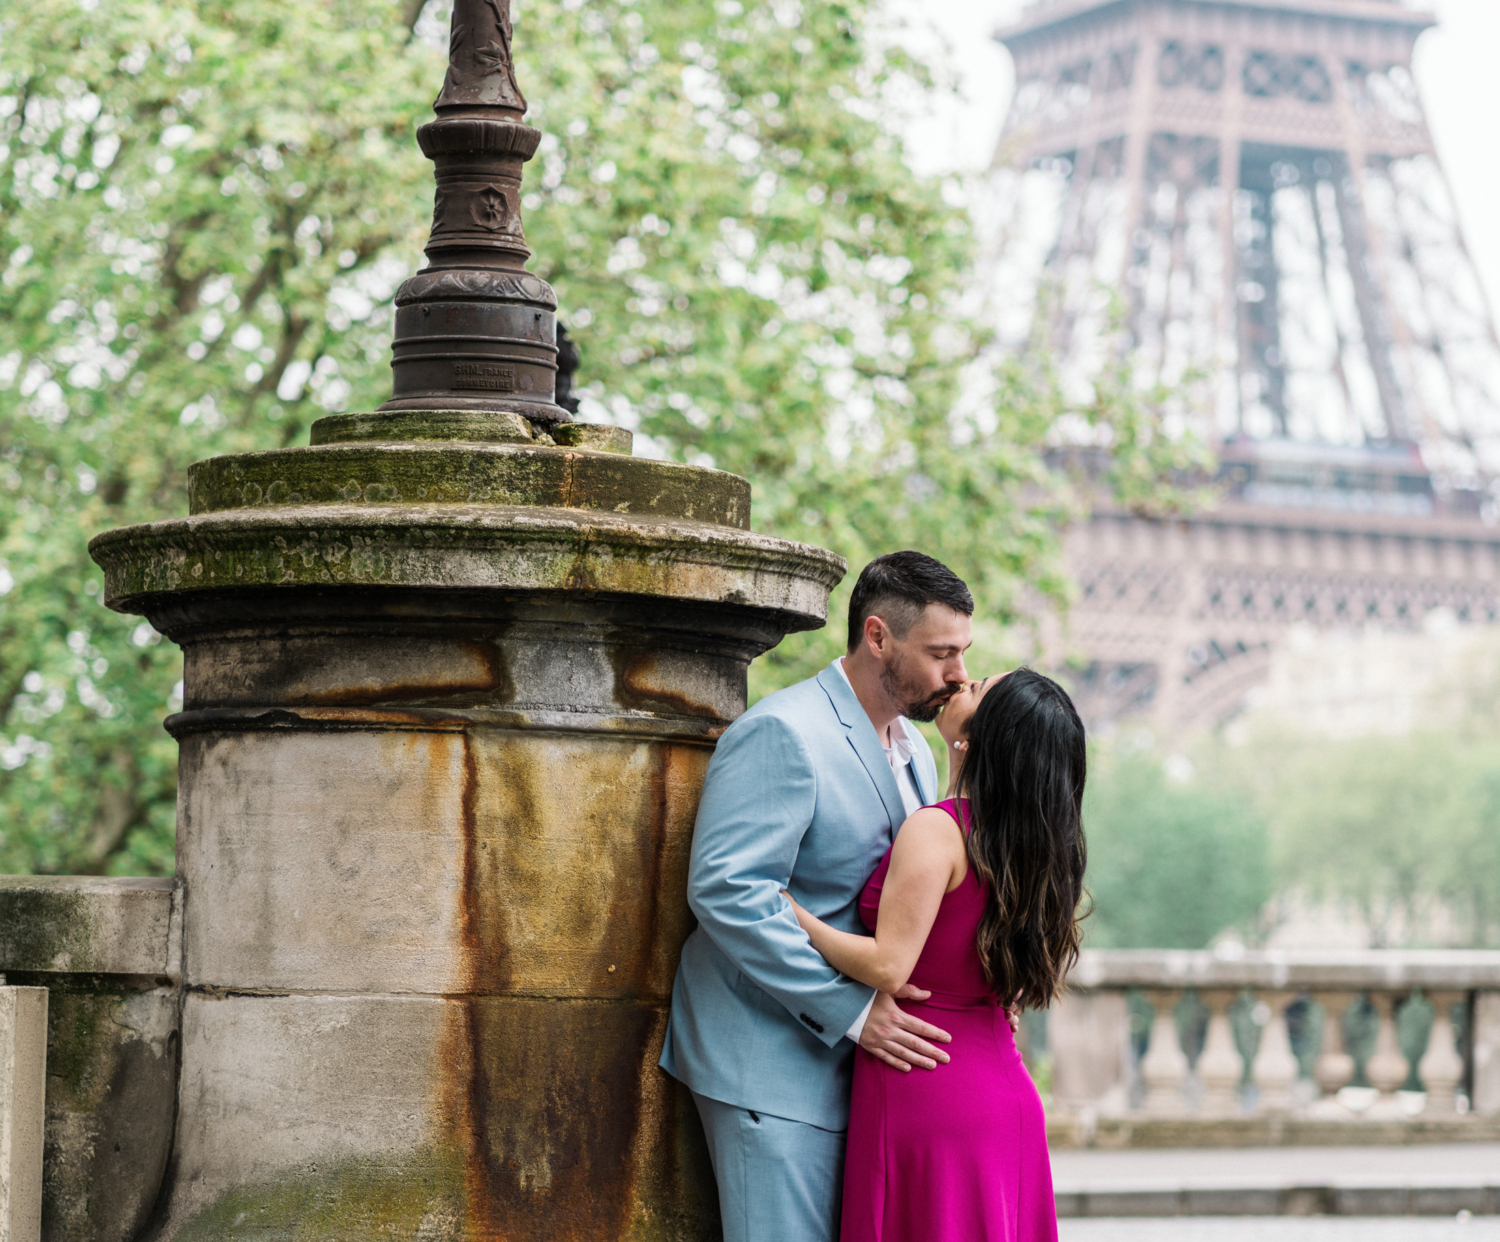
pixel 817 1026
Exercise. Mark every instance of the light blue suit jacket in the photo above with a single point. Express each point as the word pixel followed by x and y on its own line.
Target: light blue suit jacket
pixel 799 795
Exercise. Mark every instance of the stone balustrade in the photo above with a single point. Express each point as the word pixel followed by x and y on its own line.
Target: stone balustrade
pixel 96 963
pixel 1285 1039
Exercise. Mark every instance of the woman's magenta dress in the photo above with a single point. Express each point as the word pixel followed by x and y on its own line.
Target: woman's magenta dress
pixel 959 1153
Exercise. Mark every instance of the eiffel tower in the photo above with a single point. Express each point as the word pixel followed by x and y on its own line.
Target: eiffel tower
pixel 1250 189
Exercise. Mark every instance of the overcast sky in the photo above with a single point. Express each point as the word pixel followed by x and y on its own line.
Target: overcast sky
pixel 1456 67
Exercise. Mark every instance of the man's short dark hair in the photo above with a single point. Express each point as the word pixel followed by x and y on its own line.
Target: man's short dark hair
pixel 897 587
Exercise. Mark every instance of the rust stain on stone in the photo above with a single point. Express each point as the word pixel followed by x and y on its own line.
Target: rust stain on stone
pixel 483 672
pixel 635 906
pixel 682 772
pixel 639 687
pixel 579 575
pixel 555 1110
pixel 546 1087
pixel 314 719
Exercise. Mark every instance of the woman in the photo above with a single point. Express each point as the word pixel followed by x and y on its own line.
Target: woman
pixel 977 902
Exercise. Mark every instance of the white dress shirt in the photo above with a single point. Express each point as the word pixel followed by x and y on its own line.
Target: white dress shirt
pixel 898 754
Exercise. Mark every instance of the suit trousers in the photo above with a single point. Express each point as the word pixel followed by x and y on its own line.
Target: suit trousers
pixel 779 1180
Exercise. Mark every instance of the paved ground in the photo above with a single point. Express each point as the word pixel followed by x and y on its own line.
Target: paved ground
pixel 1422 1180
pixel 1283 1229
pixel 1472 1164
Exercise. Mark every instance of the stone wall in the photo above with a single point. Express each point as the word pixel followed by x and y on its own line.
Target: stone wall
pixel 107 952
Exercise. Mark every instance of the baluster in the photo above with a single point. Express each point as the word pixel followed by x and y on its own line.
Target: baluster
pixel 1334 1068
pixel 1386 1068
pixel 1441 1067
pixel 1220 1065
pixel 1164 1068
pixel 1274 1069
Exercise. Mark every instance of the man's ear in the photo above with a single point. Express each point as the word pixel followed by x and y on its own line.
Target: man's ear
pixel 878 635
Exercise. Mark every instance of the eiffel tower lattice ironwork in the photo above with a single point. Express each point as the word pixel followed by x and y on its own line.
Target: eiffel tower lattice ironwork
pixel 1256 183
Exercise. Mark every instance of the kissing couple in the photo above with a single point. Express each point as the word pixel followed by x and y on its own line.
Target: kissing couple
pixel 843 1013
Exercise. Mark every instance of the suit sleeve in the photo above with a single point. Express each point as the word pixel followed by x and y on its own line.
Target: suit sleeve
pixel 758 801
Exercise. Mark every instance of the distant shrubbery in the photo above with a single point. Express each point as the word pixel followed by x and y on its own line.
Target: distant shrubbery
pixel 1401 834
pixel 1172 862
pixel 1404 831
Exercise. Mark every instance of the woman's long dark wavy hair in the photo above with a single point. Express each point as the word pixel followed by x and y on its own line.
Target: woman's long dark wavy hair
pixel 1023 775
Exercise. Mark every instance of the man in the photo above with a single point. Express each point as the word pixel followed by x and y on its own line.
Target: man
pixel 805 793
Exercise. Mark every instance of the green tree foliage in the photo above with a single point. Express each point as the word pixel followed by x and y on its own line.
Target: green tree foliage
pixel 199 205
pixel 1404 830
pixel 1172 863
pixel 204 212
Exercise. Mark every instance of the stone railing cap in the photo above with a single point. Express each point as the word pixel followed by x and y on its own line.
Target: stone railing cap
pixel 86 925
pixel 1381 969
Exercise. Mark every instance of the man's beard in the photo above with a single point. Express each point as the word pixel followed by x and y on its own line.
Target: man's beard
pixel 900 690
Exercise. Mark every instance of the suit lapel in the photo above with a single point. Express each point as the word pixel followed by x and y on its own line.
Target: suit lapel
pixel 861 735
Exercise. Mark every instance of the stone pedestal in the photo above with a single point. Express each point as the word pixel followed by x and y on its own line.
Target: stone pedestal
pixel 1484 1026
pixel 1088 1034
pixel 448 705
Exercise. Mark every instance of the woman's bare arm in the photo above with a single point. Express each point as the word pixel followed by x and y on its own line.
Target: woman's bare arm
pixel 927 861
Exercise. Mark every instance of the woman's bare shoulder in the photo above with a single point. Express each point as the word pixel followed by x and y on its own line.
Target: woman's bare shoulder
pixel 930 828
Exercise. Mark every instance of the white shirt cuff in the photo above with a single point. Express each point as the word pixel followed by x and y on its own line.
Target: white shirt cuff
pixel 857 1028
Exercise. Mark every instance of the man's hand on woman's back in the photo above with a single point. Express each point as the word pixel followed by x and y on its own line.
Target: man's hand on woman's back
pixel 899 1039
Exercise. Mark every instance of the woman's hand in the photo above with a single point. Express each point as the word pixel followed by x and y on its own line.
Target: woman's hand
pixel 803 917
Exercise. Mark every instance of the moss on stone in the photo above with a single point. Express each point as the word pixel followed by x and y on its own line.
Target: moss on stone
pixel 74 1057
pixel 422 1195
pixel 469 547
pixel 84 924
pixel 419 1195
pixel 111 1100
pixel 476 425
pixel 600 437
pixel 469 473
pixel 46 929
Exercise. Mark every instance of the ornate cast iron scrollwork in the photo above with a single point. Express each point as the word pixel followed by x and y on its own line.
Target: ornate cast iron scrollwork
pixel 474 329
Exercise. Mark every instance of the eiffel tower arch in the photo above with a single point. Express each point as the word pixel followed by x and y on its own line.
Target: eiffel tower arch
pixel 1250 189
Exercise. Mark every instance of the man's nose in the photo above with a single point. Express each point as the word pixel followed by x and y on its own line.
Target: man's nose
pixel 956 672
